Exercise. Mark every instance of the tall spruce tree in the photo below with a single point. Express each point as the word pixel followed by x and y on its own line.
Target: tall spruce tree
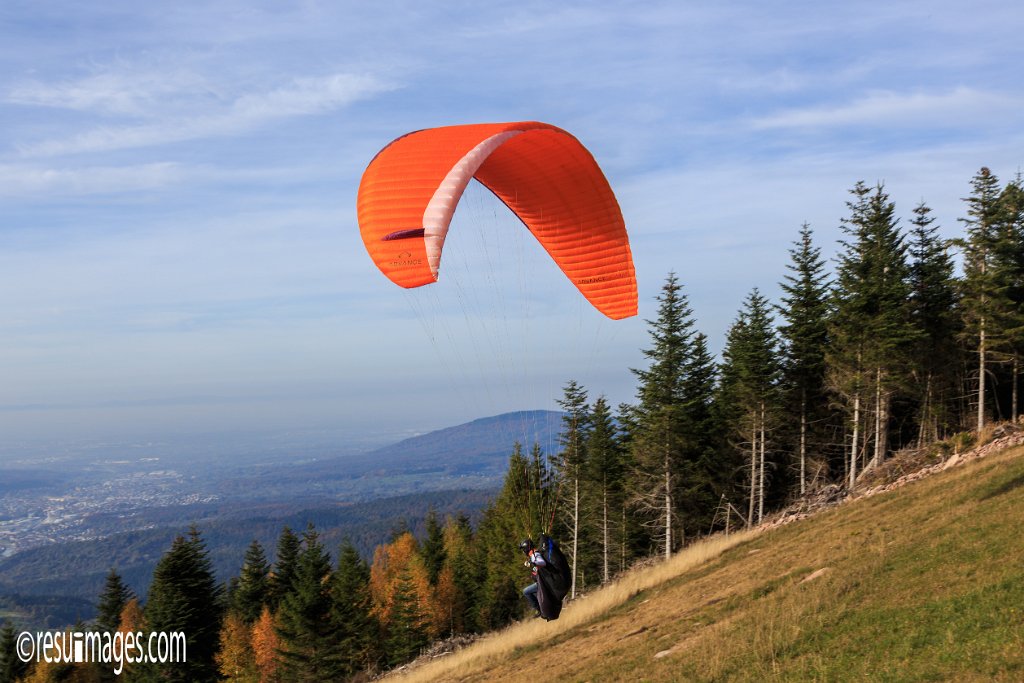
pixel 664 438
pixel 871 332
pixel 185 597
pixel 984 295
pixel 704 476
pixel 605 474
pixel 804 332
pixel 433 547
pixel 750 384
pixel 12 668
pixel 406 630
pixel 463 569
pixel 280 583
pixel 355 629
pixel 252 590
pixel 1010 262
pixel 112 601
pixel 569 464
pixel 933 300
pixel 308 634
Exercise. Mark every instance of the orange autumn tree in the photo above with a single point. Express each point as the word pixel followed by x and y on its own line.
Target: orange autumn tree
pixel 452 612
pixel 265 645
pixel 235 659
pixel 402 598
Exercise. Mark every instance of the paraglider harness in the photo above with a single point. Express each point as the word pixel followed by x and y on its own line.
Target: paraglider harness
pixel 553 578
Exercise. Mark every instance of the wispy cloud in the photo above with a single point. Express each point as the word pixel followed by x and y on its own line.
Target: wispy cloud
pixel 173 122
pixel 120 91
pixel 886 107
pixel 21 180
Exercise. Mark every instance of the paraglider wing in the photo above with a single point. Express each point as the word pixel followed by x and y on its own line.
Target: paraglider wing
pixel 410 190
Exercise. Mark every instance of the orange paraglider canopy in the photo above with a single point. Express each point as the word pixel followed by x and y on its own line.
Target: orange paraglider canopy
pixel 409 192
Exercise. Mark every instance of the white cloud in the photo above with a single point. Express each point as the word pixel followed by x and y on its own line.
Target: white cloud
pixel 956 106
pixel 123 91
pixel 301 97
pixel 20 180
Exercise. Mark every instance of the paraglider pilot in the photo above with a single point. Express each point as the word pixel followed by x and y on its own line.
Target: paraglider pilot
pixel 533 560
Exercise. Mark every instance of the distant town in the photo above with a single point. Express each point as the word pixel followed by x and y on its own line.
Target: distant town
pixel 30 519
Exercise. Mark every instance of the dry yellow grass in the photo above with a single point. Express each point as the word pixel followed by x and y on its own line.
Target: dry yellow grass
pixel 579 612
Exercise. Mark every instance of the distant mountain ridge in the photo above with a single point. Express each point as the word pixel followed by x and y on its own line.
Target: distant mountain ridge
pixel 470 455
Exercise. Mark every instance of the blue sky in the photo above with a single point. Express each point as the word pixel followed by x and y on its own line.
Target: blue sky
pixel 179 251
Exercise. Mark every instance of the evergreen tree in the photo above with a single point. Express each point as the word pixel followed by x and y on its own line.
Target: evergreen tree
pixel 703 475
pixel 406 633
pixel 606 472
pixel 433 547
pixel 355 628
pixel 112 601
pixel 1010 263
pixel 636 538
pixel 750 386
pixel 871 335
pixel 664 438
pixel 569 464
pixel 805 334
pixel 933 313
pixel 307 632
pixel 11 666
pixel 253 588
pixel 461 577
pixel 288 547
pixel 185 597
pixel 984 295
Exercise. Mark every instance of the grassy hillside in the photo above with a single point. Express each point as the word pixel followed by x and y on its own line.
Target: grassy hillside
pixel 922 583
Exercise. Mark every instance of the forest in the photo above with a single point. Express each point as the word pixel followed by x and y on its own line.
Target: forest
pixel 907 341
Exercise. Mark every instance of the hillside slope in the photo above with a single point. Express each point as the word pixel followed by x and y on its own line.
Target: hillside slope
pixel 922 583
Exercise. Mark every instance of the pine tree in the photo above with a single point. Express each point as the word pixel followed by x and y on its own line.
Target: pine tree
pixel 461 576
pixel 703 475
pixel 750 388
pixel 280 583
pixel 569 464
pixel 253 588
pixel 635 536
pixel 307 632
pixel 112 601
pixel 433 547
pixel 657 442
pixel 11 666
pixel 984 295
pixel 606 472
pixel 805 334
pixel 871 333
pixel 933 313
pixel 185 597
pixel 406 633
pixel 355 628
pixel 1010 263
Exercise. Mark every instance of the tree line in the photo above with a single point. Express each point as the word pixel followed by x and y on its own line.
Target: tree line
pixel 909 339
